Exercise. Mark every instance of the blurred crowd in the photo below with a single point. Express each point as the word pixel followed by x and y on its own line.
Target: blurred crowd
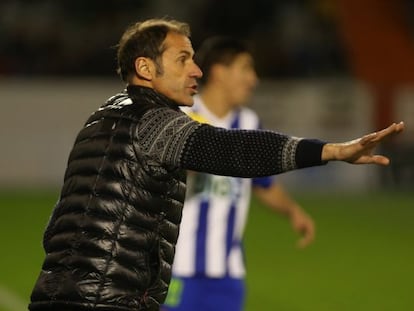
pixel 295 38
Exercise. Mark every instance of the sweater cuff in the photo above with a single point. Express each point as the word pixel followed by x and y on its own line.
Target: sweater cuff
pixel 309 153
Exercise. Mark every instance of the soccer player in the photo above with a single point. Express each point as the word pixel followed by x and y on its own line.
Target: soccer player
pixel 208 270
pixel 110 241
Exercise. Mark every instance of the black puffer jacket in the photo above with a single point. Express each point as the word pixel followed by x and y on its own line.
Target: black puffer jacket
pixel 110 241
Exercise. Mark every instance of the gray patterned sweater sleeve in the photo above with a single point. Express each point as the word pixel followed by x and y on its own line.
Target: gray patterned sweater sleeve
pixel 163 132
pixel 248 153
pixel 175 139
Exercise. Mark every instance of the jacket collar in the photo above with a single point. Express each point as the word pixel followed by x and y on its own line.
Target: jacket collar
pixel 137 93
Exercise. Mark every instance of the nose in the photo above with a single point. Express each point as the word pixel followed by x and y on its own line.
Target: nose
pixel 196 71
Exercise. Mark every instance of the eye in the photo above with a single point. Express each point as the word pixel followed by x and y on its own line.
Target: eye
pixel 182 59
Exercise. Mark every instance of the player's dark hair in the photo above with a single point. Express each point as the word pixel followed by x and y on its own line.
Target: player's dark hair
pixel 218 50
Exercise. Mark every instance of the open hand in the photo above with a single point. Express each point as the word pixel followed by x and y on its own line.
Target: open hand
pixel 360 151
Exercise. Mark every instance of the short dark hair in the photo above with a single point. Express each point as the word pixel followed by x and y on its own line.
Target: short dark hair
pixel 218 50
pixel 145 39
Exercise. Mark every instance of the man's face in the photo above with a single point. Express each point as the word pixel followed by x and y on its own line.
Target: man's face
pixel 178 81
pixel 240 79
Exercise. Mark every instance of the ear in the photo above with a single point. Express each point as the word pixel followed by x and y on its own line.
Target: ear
pixel 218 72
pixel 144 67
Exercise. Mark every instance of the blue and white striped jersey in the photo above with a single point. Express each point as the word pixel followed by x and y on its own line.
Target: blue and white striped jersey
pixel 215 210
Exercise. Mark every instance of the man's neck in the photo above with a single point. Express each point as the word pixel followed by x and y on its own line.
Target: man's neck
pixel 216 101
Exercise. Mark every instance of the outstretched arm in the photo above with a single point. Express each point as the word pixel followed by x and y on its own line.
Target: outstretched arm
pixel 178 141
pixel 360 150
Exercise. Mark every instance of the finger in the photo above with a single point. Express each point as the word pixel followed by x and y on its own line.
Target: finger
pixel 391 130
pixel 380 159
pixel 399 127
pixel 304 241
pixel 369 138
pixel 373 159
pixel 307 238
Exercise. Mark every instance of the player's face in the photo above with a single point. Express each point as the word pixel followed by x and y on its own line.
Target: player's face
pixel 178 79
pixel 241 79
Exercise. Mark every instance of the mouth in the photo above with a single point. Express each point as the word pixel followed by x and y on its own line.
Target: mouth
pixel 194 89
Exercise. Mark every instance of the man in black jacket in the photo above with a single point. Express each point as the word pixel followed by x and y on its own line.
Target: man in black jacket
pixel 110 241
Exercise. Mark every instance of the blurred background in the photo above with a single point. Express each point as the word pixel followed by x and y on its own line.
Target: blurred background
pixel 332 69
